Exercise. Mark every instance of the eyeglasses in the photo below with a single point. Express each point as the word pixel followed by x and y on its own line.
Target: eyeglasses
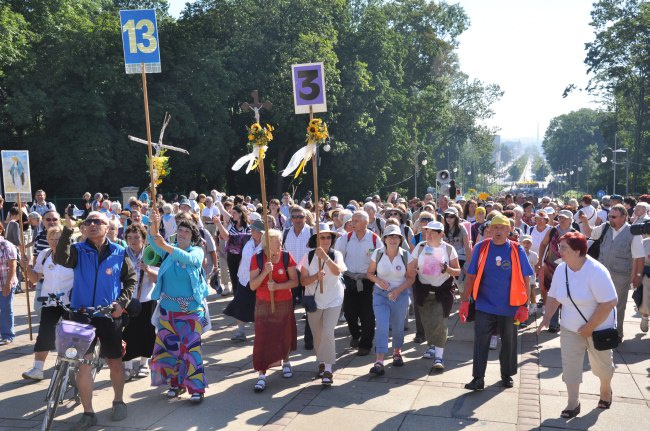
pixel 325 238
pixel 426 219
pixel 298 216
pixel 436 230
pixel 612 217
pixel 394 214
pixel 393 236
pixel 95 221
pixel 51 219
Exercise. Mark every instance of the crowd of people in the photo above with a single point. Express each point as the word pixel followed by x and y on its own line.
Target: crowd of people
pixel 370 264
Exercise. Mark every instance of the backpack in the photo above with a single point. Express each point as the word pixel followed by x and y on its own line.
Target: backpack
pixel 380 254
pixel 594 249
pixel 260 260
pixel 374 238
pixel 310 256
pixel 378 223
pixel 285 234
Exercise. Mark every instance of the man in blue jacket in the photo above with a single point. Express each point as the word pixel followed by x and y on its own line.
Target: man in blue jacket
pixel 103 276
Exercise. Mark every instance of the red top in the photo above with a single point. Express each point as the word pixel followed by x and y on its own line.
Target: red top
pixel 279 276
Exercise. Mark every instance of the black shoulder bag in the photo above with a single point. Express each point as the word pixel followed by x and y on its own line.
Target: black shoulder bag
pixel 594 249
pixel 604 339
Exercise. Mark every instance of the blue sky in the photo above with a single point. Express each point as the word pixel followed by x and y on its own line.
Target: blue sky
pixel 532 48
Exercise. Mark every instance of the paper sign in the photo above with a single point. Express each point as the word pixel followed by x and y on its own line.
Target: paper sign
pixel 16 176
pixel 309 87
pixel 140 40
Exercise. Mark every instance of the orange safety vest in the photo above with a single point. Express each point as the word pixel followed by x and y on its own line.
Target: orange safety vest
pixel 518 294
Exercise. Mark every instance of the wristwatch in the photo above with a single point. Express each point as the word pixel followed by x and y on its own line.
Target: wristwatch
pixel 638 274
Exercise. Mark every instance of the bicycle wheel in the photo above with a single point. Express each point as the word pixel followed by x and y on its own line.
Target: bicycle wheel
pixel 54 396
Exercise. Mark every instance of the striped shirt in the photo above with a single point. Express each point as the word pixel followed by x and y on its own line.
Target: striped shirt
pixel 8 252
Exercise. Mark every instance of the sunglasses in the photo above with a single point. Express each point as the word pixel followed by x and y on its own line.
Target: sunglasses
pixel 450 216
pixel 297 216
pixel 436 230
pixel 426 219
pixel 51 219
pixel 95 221
pixel 394 214
pixel 393 236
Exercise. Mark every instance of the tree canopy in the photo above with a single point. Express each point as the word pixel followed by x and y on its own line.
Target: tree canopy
pixel 394 90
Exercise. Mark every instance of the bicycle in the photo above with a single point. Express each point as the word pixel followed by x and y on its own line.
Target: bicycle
pixel 73 339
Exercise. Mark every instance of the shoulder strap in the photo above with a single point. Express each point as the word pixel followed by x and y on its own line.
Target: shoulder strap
pixel 380 253
pixel 405 258
pixel 568 292
pixel 602 234
pixel 260 260
pixel 350 236
pixel 310 256
pixel 47 254
pixel 553 231
pixel 378 223
pixel 285 260
pixel 374 240
pixel 284 236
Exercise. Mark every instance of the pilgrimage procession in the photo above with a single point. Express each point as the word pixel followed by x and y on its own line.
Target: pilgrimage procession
pixel 326 229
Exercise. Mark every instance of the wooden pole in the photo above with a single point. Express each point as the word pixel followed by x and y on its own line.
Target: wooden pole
pixel 28 284
pixel 266 227
pixel 149 146
pixel 314 164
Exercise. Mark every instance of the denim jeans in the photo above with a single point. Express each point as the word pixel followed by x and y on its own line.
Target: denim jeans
pixel 7 315
pixel 389 314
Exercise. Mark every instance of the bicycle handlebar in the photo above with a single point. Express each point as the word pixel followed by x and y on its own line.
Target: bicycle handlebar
pixel 105 311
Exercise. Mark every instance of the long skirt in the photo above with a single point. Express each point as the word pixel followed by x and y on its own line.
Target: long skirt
pixel 275 334
pixel 242 307
pixel 140 334
pixel 177 358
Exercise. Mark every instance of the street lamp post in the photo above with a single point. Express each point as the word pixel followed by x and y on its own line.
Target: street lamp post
pixel 614 151
pixel 416 169
pixel 576 169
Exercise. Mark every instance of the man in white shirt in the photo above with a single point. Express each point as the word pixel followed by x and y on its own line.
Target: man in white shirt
pixel 210 211
pixel 294 240
pixel 622 254
pixel 375 224
pixel 41 206
pixel 357 247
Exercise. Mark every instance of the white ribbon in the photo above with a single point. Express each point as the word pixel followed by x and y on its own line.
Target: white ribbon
pixel 251 158
pixel 300 159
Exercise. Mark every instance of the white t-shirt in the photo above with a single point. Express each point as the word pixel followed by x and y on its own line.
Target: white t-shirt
pixel 393 272
pixel 247 253
pixel 538 236
pixel 210 212
pixel 590 286
pixel 590 213
pixel 56 278
pixel 333 287
pixel 430 260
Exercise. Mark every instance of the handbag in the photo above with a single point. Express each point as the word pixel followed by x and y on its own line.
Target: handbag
pixel 603 339
pixel 309 301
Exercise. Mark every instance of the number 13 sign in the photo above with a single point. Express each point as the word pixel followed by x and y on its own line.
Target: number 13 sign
pixel 309 87
pixel 140 40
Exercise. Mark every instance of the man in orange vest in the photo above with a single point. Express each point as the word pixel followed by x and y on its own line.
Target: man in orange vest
pixel 497 278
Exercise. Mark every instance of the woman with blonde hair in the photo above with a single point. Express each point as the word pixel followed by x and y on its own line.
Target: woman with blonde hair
pixel 273 272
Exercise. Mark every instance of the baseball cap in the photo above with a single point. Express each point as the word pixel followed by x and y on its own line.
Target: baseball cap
pixel 565 213
pixel 434 225
pixel 500 219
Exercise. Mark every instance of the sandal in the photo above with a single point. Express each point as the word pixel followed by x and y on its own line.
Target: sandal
pixel 287 373
pixel 397 360
pixel 260 385
pixel 321 370
pixel 378 369
pixel 327 379
pixel 570 413
pixel 175 392
pixel 602 404
pixel 197 397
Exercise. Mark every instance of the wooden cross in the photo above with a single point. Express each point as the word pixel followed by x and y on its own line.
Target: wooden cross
pixel 256 106
pixel 159 145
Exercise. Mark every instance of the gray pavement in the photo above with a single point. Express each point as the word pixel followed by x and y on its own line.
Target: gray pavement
pixel 407 398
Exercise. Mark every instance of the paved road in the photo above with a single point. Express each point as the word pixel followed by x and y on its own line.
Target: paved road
pixel 406 398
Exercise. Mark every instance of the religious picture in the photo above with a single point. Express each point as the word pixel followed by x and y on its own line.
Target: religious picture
pixel 15 172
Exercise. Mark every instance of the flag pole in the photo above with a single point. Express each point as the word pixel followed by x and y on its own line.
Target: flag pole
pixel 28 283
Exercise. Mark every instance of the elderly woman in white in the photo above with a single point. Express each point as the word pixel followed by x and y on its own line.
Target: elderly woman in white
pixel 584 288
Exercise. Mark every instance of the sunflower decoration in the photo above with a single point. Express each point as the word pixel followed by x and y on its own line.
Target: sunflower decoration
pixel 161 167
pixel 483 196
pixel 258 139
pixel 316 134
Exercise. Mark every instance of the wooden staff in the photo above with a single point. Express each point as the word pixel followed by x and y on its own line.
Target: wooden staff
pixel 28 284
pixel 314 165
pixel 149 146
pixel 266 226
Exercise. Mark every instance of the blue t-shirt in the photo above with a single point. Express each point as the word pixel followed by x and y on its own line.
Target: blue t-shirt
pixel 494 291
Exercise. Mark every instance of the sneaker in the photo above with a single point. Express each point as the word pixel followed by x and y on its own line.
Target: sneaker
pixel 540 303
pixel 377 369
pixel 418 339
pixel 129 374
pixel 33 374
pixel 175 392
pixel 438 364
pixel 354 343
pixel 507 382
pixel 226 292
pixel 644 324
pixel 87 420
pixel 430 353
pixel 5 341
pixel 493 342
pixel 118 412
pixel 239 336
pixel 476 384
pixel 523 325
pixel 197 397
